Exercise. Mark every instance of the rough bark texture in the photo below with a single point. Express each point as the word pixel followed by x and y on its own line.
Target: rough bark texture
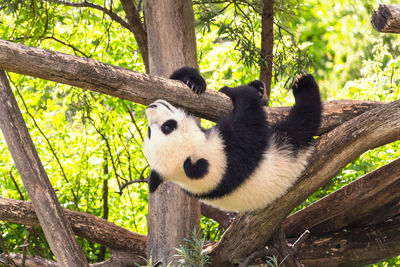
pixel 267 46
pixel 115 81
pixel 144 89
pixel 352 247
pixel 30 261
pixel 333 151
pixel 350 204
pixel 55 226
pixel 84 225
pixel 172 44
pixel 387 18
pixel 137 28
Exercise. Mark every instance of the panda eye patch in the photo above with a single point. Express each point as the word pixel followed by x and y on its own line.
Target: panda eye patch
pixel 169 126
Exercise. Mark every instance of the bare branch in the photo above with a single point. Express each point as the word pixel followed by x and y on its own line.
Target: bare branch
pixel 352 247
pixel 85 225
pixel 142 88
pixel 86 3
pixel 137 28
pixel 349 204
pixel 55 226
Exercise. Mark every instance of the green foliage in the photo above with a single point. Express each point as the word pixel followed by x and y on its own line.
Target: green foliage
pixel 90 144
pixel 190 253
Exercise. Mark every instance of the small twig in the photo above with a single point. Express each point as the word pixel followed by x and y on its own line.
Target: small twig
pixel 296 245
pixel 3 246
pixel 262 253
pixel 16 185
pixel 53 151
pixel 86 3
pixel 134 122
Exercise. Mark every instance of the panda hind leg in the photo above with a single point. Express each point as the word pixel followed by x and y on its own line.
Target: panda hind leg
pixel 304 119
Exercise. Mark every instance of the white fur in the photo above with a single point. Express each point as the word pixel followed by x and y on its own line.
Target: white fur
pixel 167 153
pixel 275 174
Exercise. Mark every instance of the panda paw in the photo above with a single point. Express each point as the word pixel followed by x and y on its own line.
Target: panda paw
pixel 259 85
pixel 304 81
pixel 191 77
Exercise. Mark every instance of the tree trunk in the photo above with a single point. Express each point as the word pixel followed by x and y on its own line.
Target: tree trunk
pixel 267 46
pixel 172 44
pixel 387 19
pixel 55 226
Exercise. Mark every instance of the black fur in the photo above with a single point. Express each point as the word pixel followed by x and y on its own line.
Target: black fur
pixel 154 181
pixel 169 126
pixel 196 170
pixel 246 133
pixel 304 119
pixel 191 78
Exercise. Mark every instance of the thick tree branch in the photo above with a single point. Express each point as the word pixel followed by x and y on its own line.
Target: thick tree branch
pixel 144 89
pixel 222 217
pixel 100 77
pixel 84 225
pixel 30 261
pixel 333 151
pixel 352 247
pixel 350 204
pixel 387 18
pixel 137 28
pixel 54 224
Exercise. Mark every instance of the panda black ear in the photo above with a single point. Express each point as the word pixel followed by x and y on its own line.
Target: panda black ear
pixel 154 181
pixel 191 77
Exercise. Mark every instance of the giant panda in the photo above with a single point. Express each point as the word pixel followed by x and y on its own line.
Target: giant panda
pixel 242 163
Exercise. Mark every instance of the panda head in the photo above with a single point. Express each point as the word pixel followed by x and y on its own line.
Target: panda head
pixel 172 136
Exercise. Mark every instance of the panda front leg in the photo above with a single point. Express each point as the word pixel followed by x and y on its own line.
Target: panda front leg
pixel 191 77
pixel 304 118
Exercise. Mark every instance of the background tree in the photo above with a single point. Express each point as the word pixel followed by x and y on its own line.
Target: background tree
pixel 90 152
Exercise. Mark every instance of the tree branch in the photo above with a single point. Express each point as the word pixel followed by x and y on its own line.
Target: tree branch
pixel 349 204
pixel 144 89
pixel 138 30
pixel 85 225
pixel 387 18
pixel 86 3
pixel 333 151
pixel 352 247
pixel 54 224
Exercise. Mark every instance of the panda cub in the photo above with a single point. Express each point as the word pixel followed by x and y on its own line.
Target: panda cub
pixel 242 163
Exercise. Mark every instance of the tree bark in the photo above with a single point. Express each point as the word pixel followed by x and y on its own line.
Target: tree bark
pixel 84 225
pixel 137 28
pixel 387 18
pixel 172 44
pixel 350 204
pixel 55 226
pixel 267 46
pixel 352 247
pixel 333 151
pixel 144 89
